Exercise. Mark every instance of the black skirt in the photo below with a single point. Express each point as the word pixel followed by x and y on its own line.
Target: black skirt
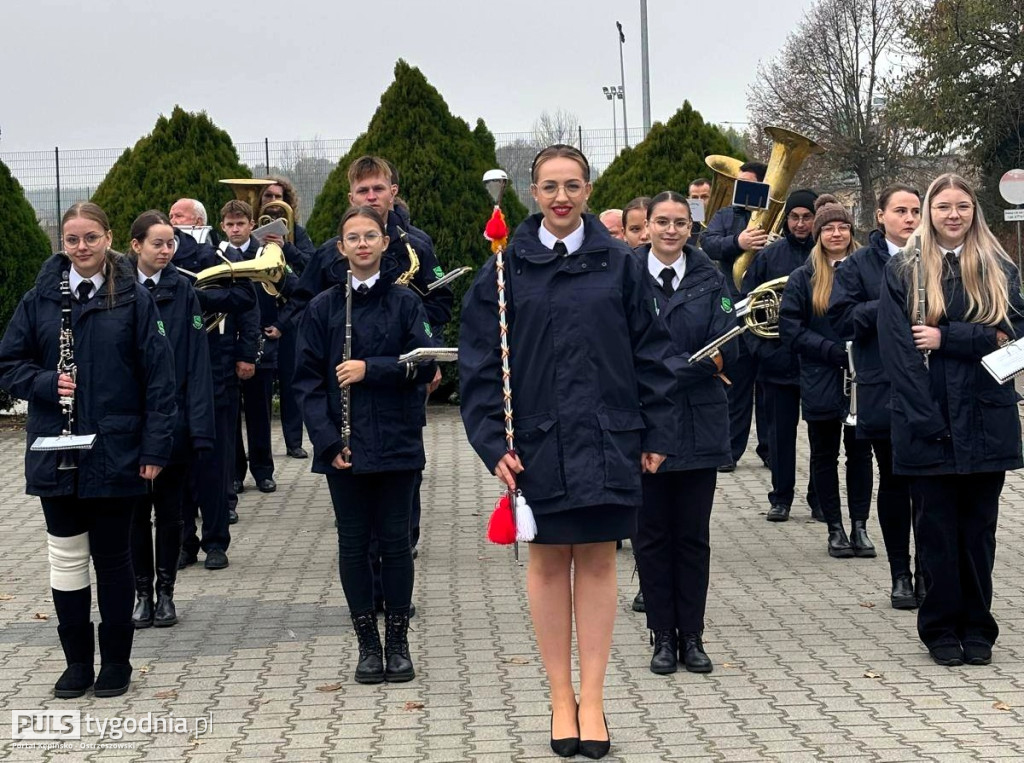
pixel 589 524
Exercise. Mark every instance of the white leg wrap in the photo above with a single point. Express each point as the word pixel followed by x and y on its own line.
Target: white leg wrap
pixel 69 562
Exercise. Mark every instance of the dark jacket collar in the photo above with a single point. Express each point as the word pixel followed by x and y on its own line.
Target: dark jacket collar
pixel 698 265
pixel 595 238
pixel 48 280
pixel 800 245
pixel 389 272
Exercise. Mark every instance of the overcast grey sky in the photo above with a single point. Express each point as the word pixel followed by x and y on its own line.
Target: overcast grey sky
pixel 96 74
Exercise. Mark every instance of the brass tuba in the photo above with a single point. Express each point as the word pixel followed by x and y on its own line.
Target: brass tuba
pixel 249 190
pixel 268 269
pixel 724 170
pixel 789 151
pixel 760 313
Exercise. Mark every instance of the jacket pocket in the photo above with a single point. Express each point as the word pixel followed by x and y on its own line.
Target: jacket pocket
pixel 620 435
pixel 913 451
pixel 120 436
pixel 40 465
pixel 1000 428
pixel 710 428
pixel 540 450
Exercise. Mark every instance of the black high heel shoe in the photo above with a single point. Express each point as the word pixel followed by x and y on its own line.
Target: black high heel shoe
pixel 569 746
pixel 592 748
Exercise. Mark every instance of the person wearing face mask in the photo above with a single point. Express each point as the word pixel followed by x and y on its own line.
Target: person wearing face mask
pixel 853 313
pixel 805 330
pixel 593 411
pixel 778 368
pixel 121 388
pixel 152 244
pixel 955 430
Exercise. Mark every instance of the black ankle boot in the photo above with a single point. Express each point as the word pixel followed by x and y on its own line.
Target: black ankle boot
pixel 142 615
pixel 168 548
pixel 398 667
pixel 862 545
pixel 115 655
pixel 665 646
pixel 838 543
pixel 79 645
pixel 370 669
pixel 692 654
pixel 902 596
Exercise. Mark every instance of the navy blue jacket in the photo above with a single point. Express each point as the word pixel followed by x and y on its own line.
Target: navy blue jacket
pixel 299 253
pixel 700 310
pixel 183 322
pixel 266 314
pixel 853 313
pixel 321 274
pixel 820 351
pixel 776 362
pixel 720 240
pixel 590 385
pixel 237 343
pixel 387 407
pixel 125 383
pixel 952 417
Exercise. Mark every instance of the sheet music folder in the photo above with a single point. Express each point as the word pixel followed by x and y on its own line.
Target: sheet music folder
pixel 64 442
pixel 1005 363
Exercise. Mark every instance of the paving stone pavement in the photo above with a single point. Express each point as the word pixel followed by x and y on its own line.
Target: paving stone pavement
pixel 811 663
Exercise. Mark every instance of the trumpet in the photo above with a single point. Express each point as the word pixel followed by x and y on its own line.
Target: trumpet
pixel 850 388
pixel 760 314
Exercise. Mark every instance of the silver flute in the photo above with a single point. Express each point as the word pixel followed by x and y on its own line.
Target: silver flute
pixel 921 313
pixel 346 390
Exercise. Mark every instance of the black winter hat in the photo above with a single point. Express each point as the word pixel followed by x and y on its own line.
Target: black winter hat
pixel 804 197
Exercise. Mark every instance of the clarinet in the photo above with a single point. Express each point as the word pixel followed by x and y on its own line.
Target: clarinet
pixel 66 365
pixel 921 313
pixel 346 391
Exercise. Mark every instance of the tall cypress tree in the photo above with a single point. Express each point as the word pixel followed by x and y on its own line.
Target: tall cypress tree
pixel 668 159
pixel 23 248
pixel 186 155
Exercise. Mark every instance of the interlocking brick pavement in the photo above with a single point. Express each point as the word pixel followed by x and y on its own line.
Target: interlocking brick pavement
pixel 811 663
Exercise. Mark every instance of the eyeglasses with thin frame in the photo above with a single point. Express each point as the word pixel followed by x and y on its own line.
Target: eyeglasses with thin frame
pixel 663 224
pixel 371 238
pixel 963 209
pixel 836 228
pixel 549 188
pixel 90 239
pixel 800 218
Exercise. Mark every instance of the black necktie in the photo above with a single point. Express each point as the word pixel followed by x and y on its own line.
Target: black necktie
pixel 363 288
pixel 560 249
pixel 666 281
pixel 83 290
pixel 149 283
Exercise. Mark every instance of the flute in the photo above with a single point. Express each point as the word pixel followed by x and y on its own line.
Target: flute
pixel 921 313
pixel 346 390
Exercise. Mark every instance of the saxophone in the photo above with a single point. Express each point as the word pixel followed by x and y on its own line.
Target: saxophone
pixel 414 261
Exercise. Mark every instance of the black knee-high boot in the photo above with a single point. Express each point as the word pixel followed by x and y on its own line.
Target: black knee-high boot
pixel 168 548
pixel 142 565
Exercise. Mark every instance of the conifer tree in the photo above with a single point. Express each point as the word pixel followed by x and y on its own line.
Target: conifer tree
pixel 23 248
pixel 668 159
pixel 441 162
pixel 186 155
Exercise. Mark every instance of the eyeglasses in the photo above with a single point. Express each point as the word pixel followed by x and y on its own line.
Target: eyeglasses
pixel 371 238
pixel 836 228
pixel 90 239
pixel 663 224
pixel 963 209
pixel 550 188
pixel 796 219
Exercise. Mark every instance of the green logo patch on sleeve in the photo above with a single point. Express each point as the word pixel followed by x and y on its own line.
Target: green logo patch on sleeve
pixel 438 272
pixel 426 328
pixel 197 321
pixel 160 328
pixel 726 305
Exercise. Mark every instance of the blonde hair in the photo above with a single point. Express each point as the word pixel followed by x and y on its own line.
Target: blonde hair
pixel 823 274
pixel 982 263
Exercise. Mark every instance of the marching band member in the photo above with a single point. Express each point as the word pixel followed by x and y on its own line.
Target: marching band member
pixel 612 220
pixel 117 369
pixel 955 430
pixel 371 485
pixel 805 330
pixel 593 406
pixel 673 548
pixel 725 238
pixel 634 222
pixel 152 245
pixel 778 369
pixel 699 190
pixel 853 312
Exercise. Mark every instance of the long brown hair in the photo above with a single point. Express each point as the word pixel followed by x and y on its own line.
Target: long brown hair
pixel 982 263
pixel 89 211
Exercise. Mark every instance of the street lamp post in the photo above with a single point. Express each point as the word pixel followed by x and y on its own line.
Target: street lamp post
pixel 611 93
pixel 622 87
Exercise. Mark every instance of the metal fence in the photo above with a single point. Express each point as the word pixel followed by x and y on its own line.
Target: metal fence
pixel 54 180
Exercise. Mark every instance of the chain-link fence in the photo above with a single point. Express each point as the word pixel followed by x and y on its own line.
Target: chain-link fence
pixel 54 180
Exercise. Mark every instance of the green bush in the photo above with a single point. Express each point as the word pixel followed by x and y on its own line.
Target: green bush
pixel 668 159
pixel 186 155
pixel 441 162
pixel 23 248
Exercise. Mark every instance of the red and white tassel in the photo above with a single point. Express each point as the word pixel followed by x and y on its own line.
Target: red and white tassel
pixel 501 528
pixel 526 525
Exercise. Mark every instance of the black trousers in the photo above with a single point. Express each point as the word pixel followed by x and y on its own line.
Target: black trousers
pixel 895 512
pixel 211 480
pixel 824 439
pixel 783 402
pixel 673 548
pixel 291 416
pixel 164 503
pixel 956 542
pixel 257 392
pixel 382 502
pixel 108 522
pixel 743 393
